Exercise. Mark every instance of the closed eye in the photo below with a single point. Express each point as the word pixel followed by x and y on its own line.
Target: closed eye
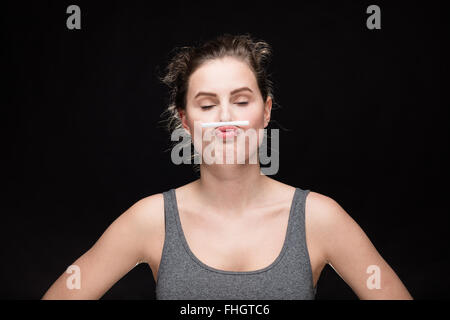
pixel 239 103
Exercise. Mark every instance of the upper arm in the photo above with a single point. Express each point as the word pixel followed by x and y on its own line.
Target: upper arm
pixel 119 249
pixel 348 250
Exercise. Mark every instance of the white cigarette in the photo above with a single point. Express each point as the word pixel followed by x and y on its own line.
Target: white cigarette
pixel 220 124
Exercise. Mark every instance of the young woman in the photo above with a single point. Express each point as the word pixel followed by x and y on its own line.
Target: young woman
pixel 234 233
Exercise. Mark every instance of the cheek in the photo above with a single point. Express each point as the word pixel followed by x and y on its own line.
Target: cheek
pixel 198 115
pixel 255 116
pixel 190 120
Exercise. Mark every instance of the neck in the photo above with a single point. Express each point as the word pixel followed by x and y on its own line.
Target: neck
pixel 231 187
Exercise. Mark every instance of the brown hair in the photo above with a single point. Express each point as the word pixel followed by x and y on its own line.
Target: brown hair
pixel 186 60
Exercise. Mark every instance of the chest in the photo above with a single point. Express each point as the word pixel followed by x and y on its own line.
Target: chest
pixel 248 243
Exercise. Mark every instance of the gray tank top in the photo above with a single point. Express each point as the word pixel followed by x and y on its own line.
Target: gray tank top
pixel 181 275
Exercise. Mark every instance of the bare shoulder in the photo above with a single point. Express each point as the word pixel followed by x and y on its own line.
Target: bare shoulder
pixel 341 243
pixel 146 220
pixel 149 211
pixel 142 216
pixel 320 207
pixel 279 189
pixel 318 202
pixel 324 211
pixel 330 224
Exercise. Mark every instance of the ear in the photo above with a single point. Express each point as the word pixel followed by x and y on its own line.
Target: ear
pixel 182 115
pixel 267 111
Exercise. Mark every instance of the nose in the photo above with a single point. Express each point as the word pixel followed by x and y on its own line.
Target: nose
pixel 225 114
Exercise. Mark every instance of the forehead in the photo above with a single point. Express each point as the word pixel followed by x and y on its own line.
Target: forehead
pixel 221 76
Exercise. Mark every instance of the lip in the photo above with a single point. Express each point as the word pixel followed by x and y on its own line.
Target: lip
pixel 226 131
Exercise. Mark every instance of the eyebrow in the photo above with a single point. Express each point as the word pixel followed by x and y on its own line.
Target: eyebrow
pixel 201 93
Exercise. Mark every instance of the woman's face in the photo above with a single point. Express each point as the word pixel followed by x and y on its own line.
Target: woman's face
pixel 221 90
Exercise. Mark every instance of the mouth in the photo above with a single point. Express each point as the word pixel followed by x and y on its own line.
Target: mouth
pixel 226 131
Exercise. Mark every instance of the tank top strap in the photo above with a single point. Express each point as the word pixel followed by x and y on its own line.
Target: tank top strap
pixel 172 239
pixel 297 220
pixel 170 210
pixel 297 248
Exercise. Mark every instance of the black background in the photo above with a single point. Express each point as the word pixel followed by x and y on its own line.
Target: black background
pixel 360 111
